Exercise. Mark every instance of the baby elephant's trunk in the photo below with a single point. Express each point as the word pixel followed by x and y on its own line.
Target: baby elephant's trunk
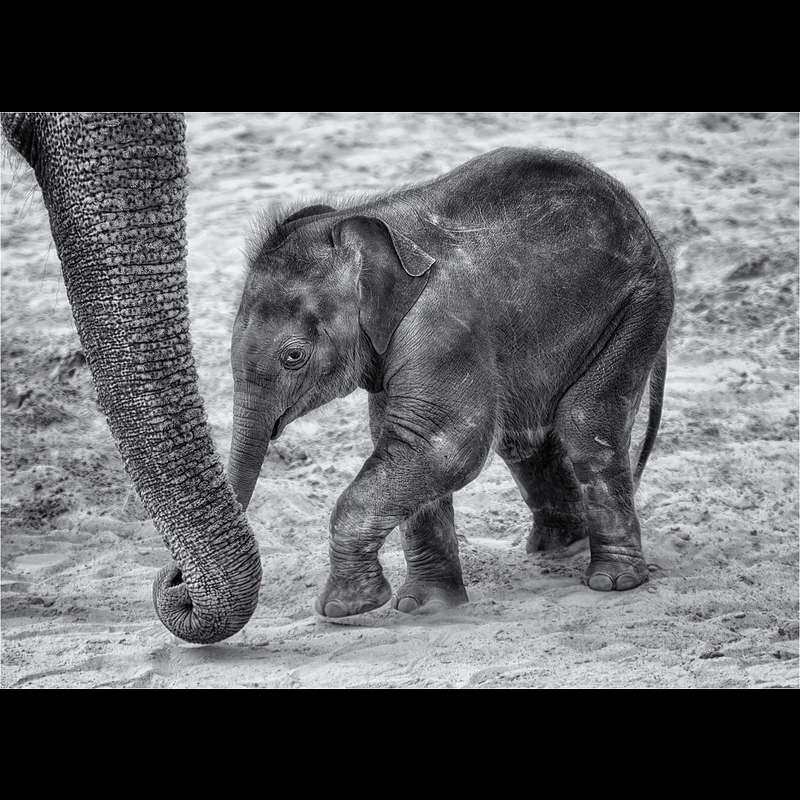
pixel 252 426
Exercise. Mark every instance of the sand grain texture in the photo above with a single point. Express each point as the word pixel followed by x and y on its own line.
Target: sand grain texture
pixel 718 501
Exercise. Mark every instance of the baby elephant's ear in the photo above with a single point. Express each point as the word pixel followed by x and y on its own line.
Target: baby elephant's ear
pixel 309 211
pixel 393 271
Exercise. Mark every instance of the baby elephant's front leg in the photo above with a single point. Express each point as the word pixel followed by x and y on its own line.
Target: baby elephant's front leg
pixel 360 522
pixel 395 482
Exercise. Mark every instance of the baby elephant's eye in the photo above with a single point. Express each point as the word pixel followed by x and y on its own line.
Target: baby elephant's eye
pixel 294 357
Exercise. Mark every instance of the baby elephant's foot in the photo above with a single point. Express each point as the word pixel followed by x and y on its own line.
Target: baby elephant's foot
pixel 343 598
pixel 428 597
pixel 607 573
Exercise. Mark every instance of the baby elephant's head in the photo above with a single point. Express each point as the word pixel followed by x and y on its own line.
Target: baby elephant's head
pixel 323 292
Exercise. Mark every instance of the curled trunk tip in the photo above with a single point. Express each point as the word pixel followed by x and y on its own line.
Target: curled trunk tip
pixel 217 616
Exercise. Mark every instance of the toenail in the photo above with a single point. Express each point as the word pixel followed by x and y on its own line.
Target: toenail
pixel 335 609
pixel 407 604
pixel 601 582
pixel 626 581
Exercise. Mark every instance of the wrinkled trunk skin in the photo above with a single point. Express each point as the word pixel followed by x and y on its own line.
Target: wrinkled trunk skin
pixel 252 425
pixel 114 186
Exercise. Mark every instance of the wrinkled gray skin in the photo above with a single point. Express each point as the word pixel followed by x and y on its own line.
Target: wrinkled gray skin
pixel 518 303
pixel 114 187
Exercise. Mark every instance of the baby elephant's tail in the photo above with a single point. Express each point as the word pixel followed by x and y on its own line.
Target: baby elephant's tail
pixel 658 376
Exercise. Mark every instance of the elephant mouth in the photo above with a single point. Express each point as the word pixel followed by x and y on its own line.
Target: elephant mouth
pixel 285 418
pixel 282 421
pixel 280 424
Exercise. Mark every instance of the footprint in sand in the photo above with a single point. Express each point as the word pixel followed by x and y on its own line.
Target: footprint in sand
pixel 40 563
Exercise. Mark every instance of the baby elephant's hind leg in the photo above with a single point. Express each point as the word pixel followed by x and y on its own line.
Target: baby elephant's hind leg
pixel 549 487
pixel 594 420
pixel 617 562
pixel 434 578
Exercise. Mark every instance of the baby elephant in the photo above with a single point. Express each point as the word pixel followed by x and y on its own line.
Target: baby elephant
pixel 518 303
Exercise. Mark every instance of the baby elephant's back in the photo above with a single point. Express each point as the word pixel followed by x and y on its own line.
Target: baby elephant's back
pixel 533 227
pixel 539 251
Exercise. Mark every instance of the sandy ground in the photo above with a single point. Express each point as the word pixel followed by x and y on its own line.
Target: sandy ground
pixel 718 502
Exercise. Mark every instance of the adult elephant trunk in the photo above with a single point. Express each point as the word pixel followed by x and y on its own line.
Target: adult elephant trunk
pixel 114 187
pixel 253 423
